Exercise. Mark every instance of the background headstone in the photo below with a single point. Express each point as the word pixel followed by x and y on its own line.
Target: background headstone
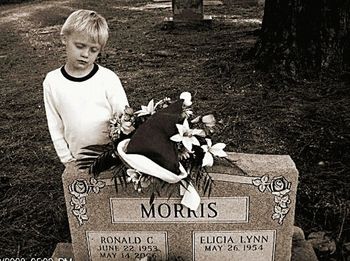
pixel 244 2
pixel 187 9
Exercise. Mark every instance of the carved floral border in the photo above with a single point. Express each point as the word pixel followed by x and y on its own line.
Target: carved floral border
pixel 280 187
pixel 79 189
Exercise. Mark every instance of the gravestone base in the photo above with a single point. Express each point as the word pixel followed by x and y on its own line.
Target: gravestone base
pixel 244 3
pixel 301 249
pixel 63 251
pixel 249 215
pixel 171 22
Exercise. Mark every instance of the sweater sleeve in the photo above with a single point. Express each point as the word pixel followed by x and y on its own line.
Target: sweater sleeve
pixel 55 125
pixel 117 96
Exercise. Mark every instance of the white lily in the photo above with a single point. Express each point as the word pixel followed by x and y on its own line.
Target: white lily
pixel 187 135
pixel 212 150
pixel 140 181
pixel 133 175
pixel 187 113
pixel 145 110
pixel 186 96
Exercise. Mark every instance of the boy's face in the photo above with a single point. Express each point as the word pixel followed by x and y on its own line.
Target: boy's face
pixel 82 52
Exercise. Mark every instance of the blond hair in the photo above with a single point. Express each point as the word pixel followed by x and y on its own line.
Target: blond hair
pixel 87 22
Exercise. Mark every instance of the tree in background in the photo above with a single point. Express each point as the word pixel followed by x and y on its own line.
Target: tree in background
pixel 303 37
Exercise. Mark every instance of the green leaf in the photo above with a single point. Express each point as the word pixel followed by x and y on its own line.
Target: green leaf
pixel 172 190
pixel 99 148
pixel 116 183
pixel 124 181
pixel 104 161
pixel 233 164
pixel 119 175
pixel 151 199
pixel 206 185
pixel 90 153
pixel 208 182
pixel 87 159
pixel 97 158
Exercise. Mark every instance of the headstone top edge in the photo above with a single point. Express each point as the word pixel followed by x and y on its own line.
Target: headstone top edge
pixel 276 160
pixel 245 161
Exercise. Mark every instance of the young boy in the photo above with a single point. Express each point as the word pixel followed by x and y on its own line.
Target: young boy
pixel 81 96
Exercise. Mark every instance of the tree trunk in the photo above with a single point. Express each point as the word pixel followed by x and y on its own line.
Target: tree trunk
pixel 305 36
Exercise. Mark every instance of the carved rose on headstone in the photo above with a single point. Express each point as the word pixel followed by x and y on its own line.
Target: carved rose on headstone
pixel 79 188
pixel 279 186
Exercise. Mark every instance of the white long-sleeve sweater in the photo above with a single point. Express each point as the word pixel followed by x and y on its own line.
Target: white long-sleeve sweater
pixel 78 110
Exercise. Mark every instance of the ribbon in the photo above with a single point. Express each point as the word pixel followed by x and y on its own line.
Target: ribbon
pixel 190 197
pixel 143 164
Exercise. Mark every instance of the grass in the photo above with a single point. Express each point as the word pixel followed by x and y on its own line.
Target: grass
pixel 261 112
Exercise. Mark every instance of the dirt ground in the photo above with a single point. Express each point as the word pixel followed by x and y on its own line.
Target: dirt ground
pixel 260 112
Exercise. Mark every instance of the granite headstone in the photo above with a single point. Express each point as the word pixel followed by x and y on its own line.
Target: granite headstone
pixel 248 216
pixel 188 12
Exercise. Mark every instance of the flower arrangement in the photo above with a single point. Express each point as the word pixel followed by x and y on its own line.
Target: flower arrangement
pixel 191 139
